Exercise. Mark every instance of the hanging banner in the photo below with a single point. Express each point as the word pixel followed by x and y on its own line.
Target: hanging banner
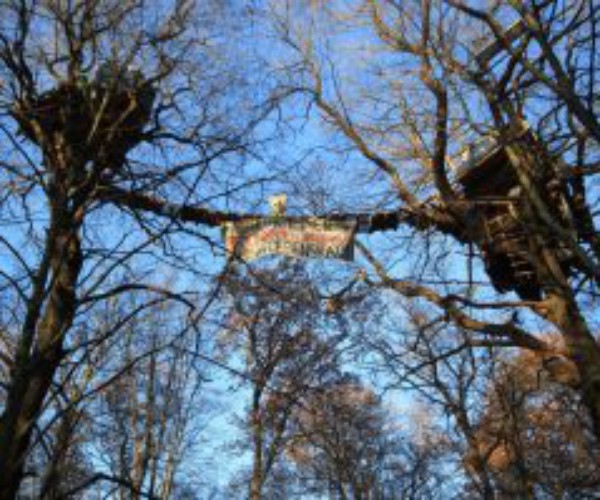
pixel 252 239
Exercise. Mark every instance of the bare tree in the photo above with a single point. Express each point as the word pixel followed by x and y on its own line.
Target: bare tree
pixel 147 419
pixel 344 446
pixel 104 104
pixel 279 321
pixel 533 434
pixel 515 418
pixel 483 124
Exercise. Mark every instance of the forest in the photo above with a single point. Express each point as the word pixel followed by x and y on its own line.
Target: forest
pixel 299 249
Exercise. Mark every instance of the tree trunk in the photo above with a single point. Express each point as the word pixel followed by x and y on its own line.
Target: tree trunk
pixel 54 475
pixel 476 462
pixel 256 423
pixel 562 308
pixel 256 482
pixel 583 350
pixel 34 368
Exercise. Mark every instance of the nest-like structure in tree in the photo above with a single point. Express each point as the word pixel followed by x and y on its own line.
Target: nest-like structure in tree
pixel 99 121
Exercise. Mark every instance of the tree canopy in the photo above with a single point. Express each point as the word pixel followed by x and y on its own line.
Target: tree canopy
pixel 459 143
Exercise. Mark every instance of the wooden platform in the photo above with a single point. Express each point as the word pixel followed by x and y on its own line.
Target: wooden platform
pixel 491 183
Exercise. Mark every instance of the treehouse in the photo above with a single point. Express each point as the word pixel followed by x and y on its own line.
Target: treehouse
pixel 488 180
pixel 99 120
